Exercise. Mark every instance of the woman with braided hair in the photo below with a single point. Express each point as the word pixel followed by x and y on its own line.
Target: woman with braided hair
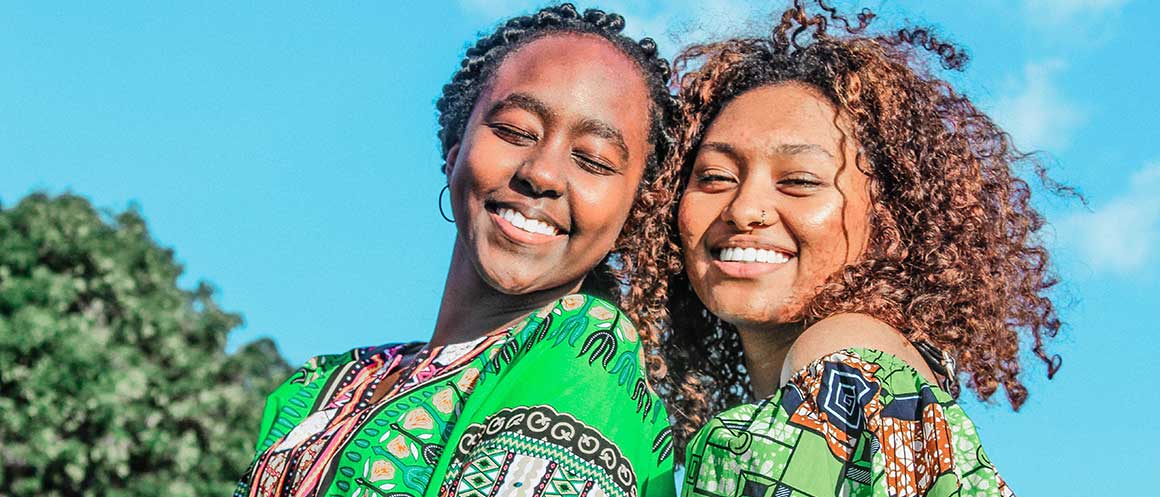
pixel 849 226
pixel 552 130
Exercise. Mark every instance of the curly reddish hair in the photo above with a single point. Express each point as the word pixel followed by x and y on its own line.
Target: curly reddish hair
pixel 954 258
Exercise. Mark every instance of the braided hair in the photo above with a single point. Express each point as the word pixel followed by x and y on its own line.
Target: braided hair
pixel 634 259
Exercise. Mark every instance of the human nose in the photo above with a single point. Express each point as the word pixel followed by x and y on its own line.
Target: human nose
pixel 541 175
pixel 752 208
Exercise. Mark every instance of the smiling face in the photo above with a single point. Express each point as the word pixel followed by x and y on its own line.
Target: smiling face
pixel 774 205
pixel 549 164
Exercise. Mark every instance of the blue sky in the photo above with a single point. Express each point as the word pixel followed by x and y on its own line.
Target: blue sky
pixel 287 152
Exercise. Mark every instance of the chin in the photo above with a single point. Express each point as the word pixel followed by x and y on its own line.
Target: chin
pixel 743 312
pixel 748 320
pixel 509 283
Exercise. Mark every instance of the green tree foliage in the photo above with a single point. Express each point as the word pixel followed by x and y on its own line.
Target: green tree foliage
pixel 113 380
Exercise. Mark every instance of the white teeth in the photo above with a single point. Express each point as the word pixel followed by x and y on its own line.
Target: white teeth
pixel 530 225
pixel 519 221
pixel 750 254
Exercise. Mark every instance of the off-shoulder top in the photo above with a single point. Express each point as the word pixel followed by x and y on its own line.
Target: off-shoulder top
pixel 857 422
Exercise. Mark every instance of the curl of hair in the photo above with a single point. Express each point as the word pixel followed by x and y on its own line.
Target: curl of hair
pixel 953 259
pixel 632 275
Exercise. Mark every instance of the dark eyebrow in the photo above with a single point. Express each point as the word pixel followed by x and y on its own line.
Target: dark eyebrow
pixel 800 148
pixel 540 109
pixel 606 131
pixel 522 101
pixel 723 148
pixel 783 149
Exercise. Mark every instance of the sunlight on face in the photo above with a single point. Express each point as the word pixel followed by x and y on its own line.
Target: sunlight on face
pixel 549 165
pixel 774 205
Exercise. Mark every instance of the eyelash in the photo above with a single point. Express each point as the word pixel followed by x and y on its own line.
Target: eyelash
pixel 801 182
pixel 593 165
pixel 514 135
pixel 510 133
pixel 712 178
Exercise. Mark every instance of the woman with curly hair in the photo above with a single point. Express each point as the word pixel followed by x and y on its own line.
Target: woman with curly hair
pixel 552 129
pixel 851 229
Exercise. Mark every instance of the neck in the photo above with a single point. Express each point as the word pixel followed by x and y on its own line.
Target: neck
pixel 766 348
pixel 471 308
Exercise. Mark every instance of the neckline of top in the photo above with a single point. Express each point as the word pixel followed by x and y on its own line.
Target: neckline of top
pixel 860 354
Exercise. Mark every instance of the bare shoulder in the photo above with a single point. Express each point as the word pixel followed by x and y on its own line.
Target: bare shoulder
pixel 843 331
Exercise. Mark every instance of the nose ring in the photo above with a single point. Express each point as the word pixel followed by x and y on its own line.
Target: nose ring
pixel 763 217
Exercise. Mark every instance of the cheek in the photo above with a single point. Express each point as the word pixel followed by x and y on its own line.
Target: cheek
pixel 600 205
pixel 694 216
pixel 821 232
pixel 488 161
pixel 831 233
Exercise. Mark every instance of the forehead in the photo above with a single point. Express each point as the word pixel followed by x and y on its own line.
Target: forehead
pixel 780 114
pixel 558 53
pixel 576 73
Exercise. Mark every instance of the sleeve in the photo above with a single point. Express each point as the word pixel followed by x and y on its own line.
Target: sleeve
pixel 295 398
pixel 562 409
pixel 861 422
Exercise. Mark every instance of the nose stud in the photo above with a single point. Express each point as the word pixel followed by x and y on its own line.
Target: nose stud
pixel 763 217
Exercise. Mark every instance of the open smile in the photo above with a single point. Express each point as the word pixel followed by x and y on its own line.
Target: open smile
pixel 523 227
pixel 749 262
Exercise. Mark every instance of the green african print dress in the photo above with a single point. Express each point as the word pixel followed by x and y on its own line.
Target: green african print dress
pixel 557 406
pixel 857 422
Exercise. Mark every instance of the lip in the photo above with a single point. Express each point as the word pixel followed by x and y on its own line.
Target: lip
pixel 746 269
pixel 520 236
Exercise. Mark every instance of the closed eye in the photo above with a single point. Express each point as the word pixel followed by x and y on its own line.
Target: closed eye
pixel 513 134
pixel 594 164
pixel 713 178
pixel 801 182
pixel 800 186
pixel 712 181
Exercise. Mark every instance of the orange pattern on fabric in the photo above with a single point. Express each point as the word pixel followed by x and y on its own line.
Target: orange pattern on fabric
pixel 916 452
pixel 810 416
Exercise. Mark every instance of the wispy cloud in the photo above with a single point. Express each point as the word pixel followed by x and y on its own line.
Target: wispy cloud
pixel 672 24
pixel 1120 237
pixel 1036 113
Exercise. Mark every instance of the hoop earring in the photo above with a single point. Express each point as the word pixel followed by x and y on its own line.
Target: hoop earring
pixel 441 213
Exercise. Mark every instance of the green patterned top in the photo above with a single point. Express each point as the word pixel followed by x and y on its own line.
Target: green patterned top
pixel 557 406
pixel 857 422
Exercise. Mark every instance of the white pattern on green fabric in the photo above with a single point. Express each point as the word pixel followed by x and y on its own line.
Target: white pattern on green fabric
pixel 403 442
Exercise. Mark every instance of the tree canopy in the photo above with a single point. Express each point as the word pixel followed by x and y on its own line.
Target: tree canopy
pixel 113 379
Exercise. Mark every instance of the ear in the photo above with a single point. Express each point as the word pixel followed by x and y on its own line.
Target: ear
pixel 449 160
